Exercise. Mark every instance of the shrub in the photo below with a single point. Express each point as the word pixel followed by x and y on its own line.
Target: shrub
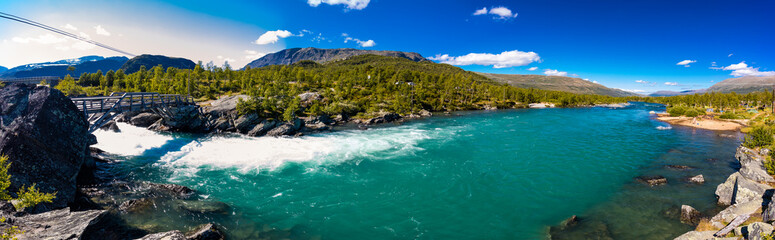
pixel 9 233
pixel 770 165
pixel 676 111
pixel 29 197
pixel 728 115
pixel 759 136
pixel 691 113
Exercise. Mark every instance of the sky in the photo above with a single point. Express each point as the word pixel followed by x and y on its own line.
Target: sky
pixel 639 46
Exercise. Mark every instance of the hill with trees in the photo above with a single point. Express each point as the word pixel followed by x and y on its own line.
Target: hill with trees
pixel 293 55
pixel 148 61
pixel 557 83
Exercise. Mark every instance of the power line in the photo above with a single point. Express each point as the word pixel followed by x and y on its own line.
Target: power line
pixel 61 32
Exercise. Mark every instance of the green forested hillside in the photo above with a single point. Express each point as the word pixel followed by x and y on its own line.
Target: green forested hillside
pixel 358 85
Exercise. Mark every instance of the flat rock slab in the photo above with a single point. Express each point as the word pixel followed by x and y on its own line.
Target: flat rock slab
pixel 730 213
pixel 58 224
pixel 738 189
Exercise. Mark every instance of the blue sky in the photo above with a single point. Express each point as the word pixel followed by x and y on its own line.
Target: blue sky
pixel 633 45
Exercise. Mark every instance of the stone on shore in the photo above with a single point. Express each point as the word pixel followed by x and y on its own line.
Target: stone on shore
pixel 286 129
pixel 57 224
pixel 679 167
pixel 144 119
pixel 695 235
pixel 689 214
pixel 652 180
pixel 171 235
pixel 46 140
pixel 110 126
pixel 381 117
pixel 752 165
pixel 697 179
pixel 755 230
pixel 742 189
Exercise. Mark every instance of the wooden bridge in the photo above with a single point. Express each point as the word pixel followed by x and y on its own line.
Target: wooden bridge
pixel 100 110
pixel 51 80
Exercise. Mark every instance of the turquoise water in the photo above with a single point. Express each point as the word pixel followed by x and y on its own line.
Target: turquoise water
pixel 477 175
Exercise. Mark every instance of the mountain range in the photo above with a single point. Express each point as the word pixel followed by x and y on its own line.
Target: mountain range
pixel 557 83
pixel 293 55
pixel 150 61
pixel 86 64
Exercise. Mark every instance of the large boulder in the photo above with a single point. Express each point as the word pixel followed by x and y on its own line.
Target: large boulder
pixel 246 122
pixel 144 119
pixel 262 128
pixel 57 224
pixel 738 189
pixel 757 229
pixel 689 214
pixel 287 129
pixel 206 232
pixel 45 138
pixel 752 165
pixel 309 97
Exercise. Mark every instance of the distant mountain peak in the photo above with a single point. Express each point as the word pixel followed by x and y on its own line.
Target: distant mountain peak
pixel 59 68
pixel 557 83
pixel 294 55
pixel 744 84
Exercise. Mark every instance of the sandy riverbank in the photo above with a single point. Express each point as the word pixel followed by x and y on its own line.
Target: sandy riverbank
pixel 703 123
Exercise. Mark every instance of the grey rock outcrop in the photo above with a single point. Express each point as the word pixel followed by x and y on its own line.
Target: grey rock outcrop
pixel 695 235
pixel 144 119
pixel 738 189
pixel 286 129
pixel 245 123
pixel 382 117
pixel 46 140
pixel 225 106
pixel 730 213
pixel 57 224
pixel 309 97
pixel 262 128
pixel 752 165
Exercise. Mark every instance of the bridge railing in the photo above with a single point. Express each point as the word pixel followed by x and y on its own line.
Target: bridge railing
pixel 130 102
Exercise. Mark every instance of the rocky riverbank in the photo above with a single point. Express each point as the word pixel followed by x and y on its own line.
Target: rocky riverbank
pixel 47 142
pixel 747 196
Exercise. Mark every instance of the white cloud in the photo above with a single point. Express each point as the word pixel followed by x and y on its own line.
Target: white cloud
pixel 742 69
pixel 671 83
pixel 101 31
pixel 502 60
pixel 686 63
pixel 253 55
pixel 351 4
pixel 532 69
pixel 552 72
pixel 367 43
pixel 595 82
pixel 482 11
pixel 645 82
pixel 730 55
pixel 271 37
pixel 499 12
pixel 41 39
pixel 632 90
pixel 70 27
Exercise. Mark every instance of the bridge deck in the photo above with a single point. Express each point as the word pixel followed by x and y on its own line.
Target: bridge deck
pixel 103 109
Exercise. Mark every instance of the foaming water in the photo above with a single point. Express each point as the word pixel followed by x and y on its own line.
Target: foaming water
pixel 268 153
pixel 131 141
pixel 480 175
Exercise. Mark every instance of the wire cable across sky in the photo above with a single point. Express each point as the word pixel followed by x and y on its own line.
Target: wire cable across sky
pixel 61 32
